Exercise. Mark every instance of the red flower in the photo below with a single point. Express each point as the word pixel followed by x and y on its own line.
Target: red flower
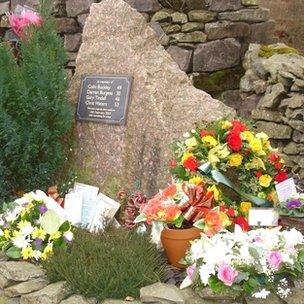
pixel 238 126
pixel 191 163
pixel 230 212
pixel 242 222
pixel 281 176
pixel 172 163
pixel 206 133
pixel 222 208
pixel 273 157
pixel 278 166
pixel 258 174
pixel 234 141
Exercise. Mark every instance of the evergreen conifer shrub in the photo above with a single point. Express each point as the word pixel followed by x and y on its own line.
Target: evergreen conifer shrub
pixel 35 116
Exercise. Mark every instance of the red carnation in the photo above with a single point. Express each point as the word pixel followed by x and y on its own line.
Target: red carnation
pixel 258 174
pixel 204 133
pixel 230 212
pixel 191 163
pixel 242 222
pixel 222 208
pixel 172 163
pixel 234 141
pixel 281 176
pixel 278 166
pixel 273 157
pixel 238 126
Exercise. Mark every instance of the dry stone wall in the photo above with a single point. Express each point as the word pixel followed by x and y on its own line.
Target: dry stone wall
pixel 207 38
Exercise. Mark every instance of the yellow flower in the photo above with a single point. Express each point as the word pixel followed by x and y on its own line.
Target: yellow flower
pixel 224 219
pixel 235 160
pixel 265 180
pixel 39 233
pixel 27 253
pixel 196 180
pixel 22 224
pixel 6 234
pixel 210 141
pixel 256 145
pixel 191 142
pixel 216 192
pixel 186 156
pixel 55 235
pixel 245 207
pixel 247 135
pixel 48 250
pixel 225 125
pixel 263 136
pixel 256 163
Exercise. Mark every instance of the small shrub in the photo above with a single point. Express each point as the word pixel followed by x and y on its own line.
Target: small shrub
pixel 111 264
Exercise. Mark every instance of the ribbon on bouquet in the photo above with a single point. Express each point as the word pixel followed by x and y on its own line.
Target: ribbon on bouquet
pixel 206 169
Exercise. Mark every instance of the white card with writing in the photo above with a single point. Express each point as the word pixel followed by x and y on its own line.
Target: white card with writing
pixel 105 211
pixel 88 190
pixel 264 217
pixel 286 190
pixel 73 207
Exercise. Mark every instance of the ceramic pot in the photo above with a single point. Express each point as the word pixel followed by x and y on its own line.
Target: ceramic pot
pixel 176 242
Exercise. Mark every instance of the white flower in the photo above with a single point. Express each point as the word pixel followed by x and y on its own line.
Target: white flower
pixel 197 249
pixel 12 215
pixel 27 229
pixel 1 232
pixel 22 200
pixel 205 272
pixel 21 241
pixel 262 294
pixel 69 236
pixel 1 222
pixel 37 255
pixel 186 135
pixel 293 237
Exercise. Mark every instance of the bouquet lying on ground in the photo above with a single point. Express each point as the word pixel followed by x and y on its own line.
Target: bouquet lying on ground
pixel 231 149
pixel 32 226
pixel 256 263
pixel 187 204
pixel 293 207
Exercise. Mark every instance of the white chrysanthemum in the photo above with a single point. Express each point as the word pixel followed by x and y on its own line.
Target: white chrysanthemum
pixel 22 200
pixel 205 272
pixel 13 214
pixel 263 294
pixel 27 229
pixel 293 237
pixel 197 249
pixel 21 241
pixel 37 255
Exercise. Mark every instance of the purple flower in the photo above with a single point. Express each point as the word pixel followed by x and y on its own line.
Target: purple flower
pixel 43 209
pixel 38 244
pixel 294 204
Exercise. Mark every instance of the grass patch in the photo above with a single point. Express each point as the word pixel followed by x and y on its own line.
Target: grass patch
pixel 267 51
pixel 112 264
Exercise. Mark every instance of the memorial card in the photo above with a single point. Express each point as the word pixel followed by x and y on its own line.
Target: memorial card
pixel 263 217
pixel 73 206
pixel 286 190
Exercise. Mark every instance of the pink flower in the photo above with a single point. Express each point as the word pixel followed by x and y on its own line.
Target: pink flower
pixel 275 259
pixel 19 22
pixel 190 272
pixel 227 274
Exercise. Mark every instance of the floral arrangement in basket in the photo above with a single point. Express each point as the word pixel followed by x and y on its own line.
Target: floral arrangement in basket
pixel 254 263
pixel 187 204
pixel 224 148
pixel 32 226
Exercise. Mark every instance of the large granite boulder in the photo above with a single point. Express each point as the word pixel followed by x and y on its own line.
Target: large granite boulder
pixel 164 103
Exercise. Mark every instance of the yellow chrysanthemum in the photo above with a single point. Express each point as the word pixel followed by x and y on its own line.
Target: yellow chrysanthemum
pixel 196 180
pixel 39 233
pixel 225 125
pixel 186 156
pixel 27 253
pixel 235 160
pixel 6 234
pixel 210 141
pixel 191 142
pixel 256 145
pixel 247 135
pixel 265 180
pixel 245 207
pixel 48 250
pixel 55 235
pixel 216 192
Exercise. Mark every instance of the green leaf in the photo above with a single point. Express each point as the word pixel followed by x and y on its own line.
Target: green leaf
pixel 179 222
pixel 14 253
pixel 200 224
pixel 50 222
pixel 141 218
pixel 65 226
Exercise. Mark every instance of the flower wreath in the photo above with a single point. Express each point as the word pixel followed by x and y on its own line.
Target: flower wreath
pixel 230 147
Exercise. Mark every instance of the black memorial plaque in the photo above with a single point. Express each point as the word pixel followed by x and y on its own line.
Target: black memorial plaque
pixel 104 98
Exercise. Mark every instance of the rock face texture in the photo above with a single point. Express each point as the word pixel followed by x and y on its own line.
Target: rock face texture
pixel 163 103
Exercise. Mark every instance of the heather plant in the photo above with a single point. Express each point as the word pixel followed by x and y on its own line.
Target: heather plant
pixel 114 264
pixel 35 116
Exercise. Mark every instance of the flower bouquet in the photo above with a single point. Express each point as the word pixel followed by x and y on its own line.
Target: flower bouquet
pixel 183 210
pixel 247 263
pixel 32 226
pixel 226 150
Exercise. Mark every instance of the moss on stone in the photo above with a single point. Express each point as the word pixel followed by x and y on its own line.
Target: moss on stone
pixel 267 51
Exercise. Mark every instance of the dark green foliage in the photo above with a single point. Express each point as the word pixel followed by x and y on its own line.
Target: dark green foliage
pixel 111 264
pixel 35 115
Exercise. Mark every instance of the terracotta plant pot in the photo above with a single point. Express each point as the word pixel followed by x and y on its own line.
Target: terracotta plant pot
pixel 176 242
